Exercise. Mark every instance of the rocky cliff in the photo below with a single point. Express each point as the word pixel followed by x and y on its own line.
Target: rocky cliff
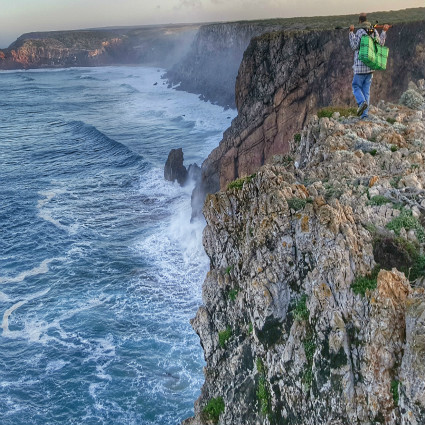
pixel 286 76
pixel 211 66
pixel 314 305
pixel 154 45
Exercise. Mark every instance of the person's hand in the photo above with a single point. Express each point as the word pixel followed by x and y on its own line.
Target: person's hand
pixel 352 28
pixel 386 27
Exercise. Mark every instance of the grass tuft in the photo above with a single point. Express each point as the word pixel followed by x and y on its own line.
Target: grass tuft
pixel 263 393
pixel 407 221
pixel 394 391
pixel 224 336
pixel 238 183
pixel 214 409
pixel 363 283
pixel 296 204
pixel 378 200
pixel 330 110
pixel 301 311
pixel 233 294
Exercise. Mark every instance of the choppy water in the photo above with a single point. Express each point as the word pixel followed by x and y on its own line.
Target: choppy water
pixel 100 269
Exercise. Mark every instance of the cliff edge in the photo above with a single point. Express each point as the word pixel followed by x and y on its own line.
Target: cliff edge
pixel 314 305
pixel 286 76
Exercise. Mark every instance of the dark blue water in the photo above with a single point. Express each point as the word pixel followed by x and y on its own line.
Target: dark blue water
pixel 100 268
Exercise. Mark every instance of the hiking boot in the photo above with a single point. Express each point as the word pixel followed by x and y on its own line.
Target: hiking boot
pixel 361 108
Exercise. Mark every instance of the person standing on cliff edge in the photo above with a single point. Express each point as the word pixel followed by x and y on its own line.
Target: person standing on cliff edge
pixel 363 75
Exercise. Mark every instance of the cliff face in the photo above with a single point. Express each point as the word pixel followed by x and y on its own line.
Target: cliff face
pixel 159 46
pixel 314 304
pixel 211 66
pixel 284 77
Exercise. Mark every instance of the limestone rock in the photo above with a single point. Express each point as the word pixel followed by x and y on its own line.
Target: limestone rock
pixel 412 99
pixel 314 307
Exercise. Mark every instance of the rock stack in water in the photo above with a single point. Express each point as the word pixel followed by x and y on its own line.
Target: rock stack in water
pixel 314 306
pixel 174 168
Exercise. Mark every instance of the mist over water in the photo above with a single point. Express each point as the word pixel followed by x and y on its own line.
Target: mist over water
pixel 100 267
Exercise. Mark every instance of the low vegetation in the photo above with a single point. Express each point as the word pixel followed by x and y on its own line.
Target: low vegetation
pixel 263 393
pixel 214 409
pixel 394 391
pixel 224 336
pixel 296 204
pixel 330 110
pixel 238 183
pixel 301 311
pixel 365 283
pixel 378 200
pixel 233 293
pixel 407 221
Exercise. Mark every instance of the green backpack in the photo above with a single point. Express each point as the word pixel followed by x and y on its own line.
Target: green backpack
pixel 372 54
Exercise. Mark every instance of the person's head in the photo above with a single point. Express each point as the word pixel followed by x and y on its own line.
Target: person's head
pixel 362 18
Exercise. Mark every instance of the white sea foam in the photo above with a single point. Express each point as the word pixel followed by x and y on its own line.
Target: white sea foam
pixel 40 269
pixel 9 311
pixel 55 365
pixel 3 297
pixel 46 214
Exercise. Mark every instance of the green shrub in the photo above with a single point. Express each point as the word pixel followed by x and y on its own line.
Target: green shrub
pixel 233 294
pixel 214 409
pixel 406 220
pixel 224 336
pixel 297 137
pixel 250 328
pixel 395 181
pixel 287 160
pixel 238 183
pixel 363 283
pixel 394 148
pixel 329 111
pixel 378 200
pixel 301 311
pixel 307 378
pixel 394 390
pixel 373 152
pixel 296 203
pixel 332 192
pixel 228 269
pixel 391 120
pixel 309 349
pixel 263 393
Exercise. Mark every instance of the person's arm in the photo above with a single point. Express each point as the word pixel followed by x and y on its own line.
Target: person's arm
pixel 354 38
pixel 383 35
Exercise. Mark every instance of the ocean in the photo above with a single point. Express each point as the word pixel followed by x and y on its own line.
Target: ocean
pixel 100 267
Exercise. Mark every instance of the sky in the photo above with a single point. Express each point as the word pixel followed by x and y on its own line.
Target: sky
pixel 21 16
